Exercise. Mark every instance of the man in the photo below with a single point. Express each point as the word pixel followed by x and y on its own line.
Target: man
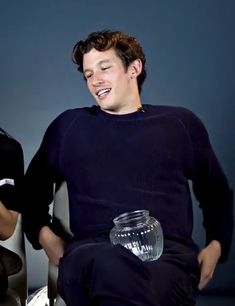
pixel 120 156
pixel 11 177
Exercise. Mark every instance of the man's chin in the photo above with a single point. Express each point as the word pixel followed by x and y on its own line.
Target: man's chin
pixel 107 108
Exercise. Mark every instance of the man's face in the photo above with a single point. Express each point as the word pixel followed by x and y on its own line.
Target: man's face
pixel 108 81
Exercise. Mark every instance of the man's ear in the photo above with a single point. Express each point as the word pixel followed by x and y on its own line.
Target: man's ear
pixel 135 68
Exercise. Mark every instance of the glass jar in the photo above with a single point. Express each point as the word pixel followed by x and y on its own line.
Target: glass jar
pixel 140 233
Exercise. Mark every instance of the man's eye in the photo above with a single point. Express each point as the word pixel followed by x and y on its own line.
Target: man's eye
pixel 87 76
pixel 105 68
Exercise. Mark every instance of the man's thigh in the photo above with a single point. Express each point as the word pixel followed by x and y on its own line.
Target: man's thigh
pixel 175 277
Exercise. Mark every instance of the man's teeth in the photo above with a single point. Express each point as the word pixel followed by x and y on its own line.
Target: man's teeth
pixel 103 92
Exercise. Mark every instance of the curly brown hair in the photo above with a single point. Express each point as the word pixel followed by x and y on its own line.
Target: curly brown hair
pixel 126 47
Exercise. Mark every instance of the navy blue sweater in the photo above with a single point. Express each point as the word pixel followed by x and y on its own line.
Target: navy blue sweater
pixel 118 163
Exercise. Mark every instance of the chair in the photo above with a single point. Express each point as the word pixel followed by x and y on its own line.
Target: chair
pixel 61 214
pixel 17 283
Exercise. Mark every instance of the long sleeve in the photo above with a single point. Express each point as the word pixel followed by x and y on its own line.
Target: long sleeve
pixel 211 189
pixel 43 173
pixel 38 195
pixel 216 201
pixel 11 172
pixel 39 186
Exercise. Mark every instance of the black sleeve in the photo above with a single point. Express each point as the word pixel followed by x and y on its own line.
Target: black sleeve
pixel 11 172
pixel 211 188
pixel 39 181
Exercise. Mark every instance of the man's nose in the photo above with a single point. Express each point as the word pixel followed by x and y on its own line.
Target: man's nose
pixel 97 79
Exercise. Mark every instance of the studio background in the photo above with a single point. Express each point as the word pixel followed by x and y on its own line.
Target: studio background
pixel 190 50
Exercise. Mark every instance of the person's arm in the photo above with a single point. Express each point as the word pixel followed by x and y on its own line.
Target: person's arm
pixel 38 192
pixel 52 244
pixel 11 177
pixel 8 220
pixel 215 198
pixel 41 176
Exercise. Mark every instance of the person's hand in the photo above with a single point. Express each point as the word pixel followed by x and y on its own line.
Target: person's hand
pixel 52 244
pixel 208 259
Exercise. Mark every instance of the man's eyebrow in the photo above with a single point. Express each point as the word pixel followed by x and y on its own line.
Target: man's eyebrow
pixel 106 61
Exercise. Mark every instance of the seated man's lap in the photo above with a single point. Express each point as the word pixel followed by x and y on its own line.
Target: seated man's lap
pixel 115 272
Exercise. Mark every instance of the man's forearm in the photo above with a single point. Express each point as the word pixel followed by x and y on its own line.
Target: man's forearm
pixel 8 220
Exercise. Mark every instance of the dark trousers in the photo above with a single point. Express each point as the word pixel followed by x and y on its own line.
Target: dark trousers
pixel 99 274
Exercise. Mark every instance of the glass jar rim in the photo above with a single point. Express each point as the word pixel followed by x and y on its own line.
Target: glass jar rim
pixel 131 216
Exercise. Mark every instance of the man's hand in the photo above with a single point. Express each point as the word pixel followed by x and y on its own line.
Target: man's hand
pixel 52 244
pixel 208 259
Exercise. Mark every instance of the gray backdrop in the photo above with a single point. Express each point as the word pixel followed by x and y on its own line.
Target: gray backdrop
pixel 190 47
